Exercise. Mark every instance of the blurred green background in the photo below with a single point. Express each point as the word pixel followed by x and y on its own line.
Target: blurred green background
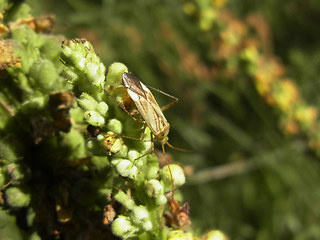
pixel 255 168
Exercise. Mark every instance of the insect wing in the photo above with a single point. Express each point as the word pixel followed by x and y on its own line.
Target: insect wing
pixel 146 104
pixel 146 110
pixel 134 85
pixel 159 122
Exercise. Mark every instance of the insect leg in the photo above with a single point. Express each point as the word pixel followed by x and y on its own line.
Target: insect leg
pixel 170 172
pixel 141 136
pixel 122 105
pixel 130 114
pixel 169 105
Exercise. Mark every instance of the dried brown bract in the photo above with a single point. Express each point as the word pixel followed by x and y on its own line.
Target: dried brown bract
pixel 179 215
pixel 59 104
pixel 43 24
pixel 7 58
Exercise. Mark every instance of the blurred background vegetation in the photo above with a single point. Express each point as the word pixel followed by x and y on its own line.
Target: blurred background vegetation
pixel 246 74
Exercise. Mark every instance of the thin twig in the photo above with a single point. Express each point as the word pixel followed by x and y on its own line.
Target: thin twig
pixel 241 167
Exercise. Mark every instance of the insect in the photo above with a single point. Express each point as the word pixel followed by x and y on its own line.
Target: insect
pixel 148 108
pixel 150 112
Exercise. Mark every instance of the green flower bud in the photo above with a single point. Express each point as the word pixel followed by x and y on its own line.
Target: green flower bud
pixel 74 52
pixel 70 75
pixel 100 137
pixel 11 149
pixel 133 155
pixel 133 129
pixel 140 217
pixel 79 56
pixel 87 102
pixel 30 217
pixel 122 153
pixel 139 213
pixel 122 227
pixel 15 172
pixel 152 170
pixel 23 83
pixel 161 200
pixel 177 174
pixel 146 141
pixel 34 102
pixel 94 118
pixel 43 74
pixel 155 190
pixel 96 71
pixel 139 162
pixel 179 235
pixel 51 48
pixel 126 169
pixel 102 108
pixel 215 235
pixel 114 73
pixel 17 198
pixel 76 114
pixel 100 162
pixel 29 50
pixel 2 178
pixel 115 161
pixel 125 200
pixel 91 144
pixel 22 10
pixel 94 146
pixel 147 145
pixel 35 236
pixel 147 225
pixel 115 126
pixel 74 140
